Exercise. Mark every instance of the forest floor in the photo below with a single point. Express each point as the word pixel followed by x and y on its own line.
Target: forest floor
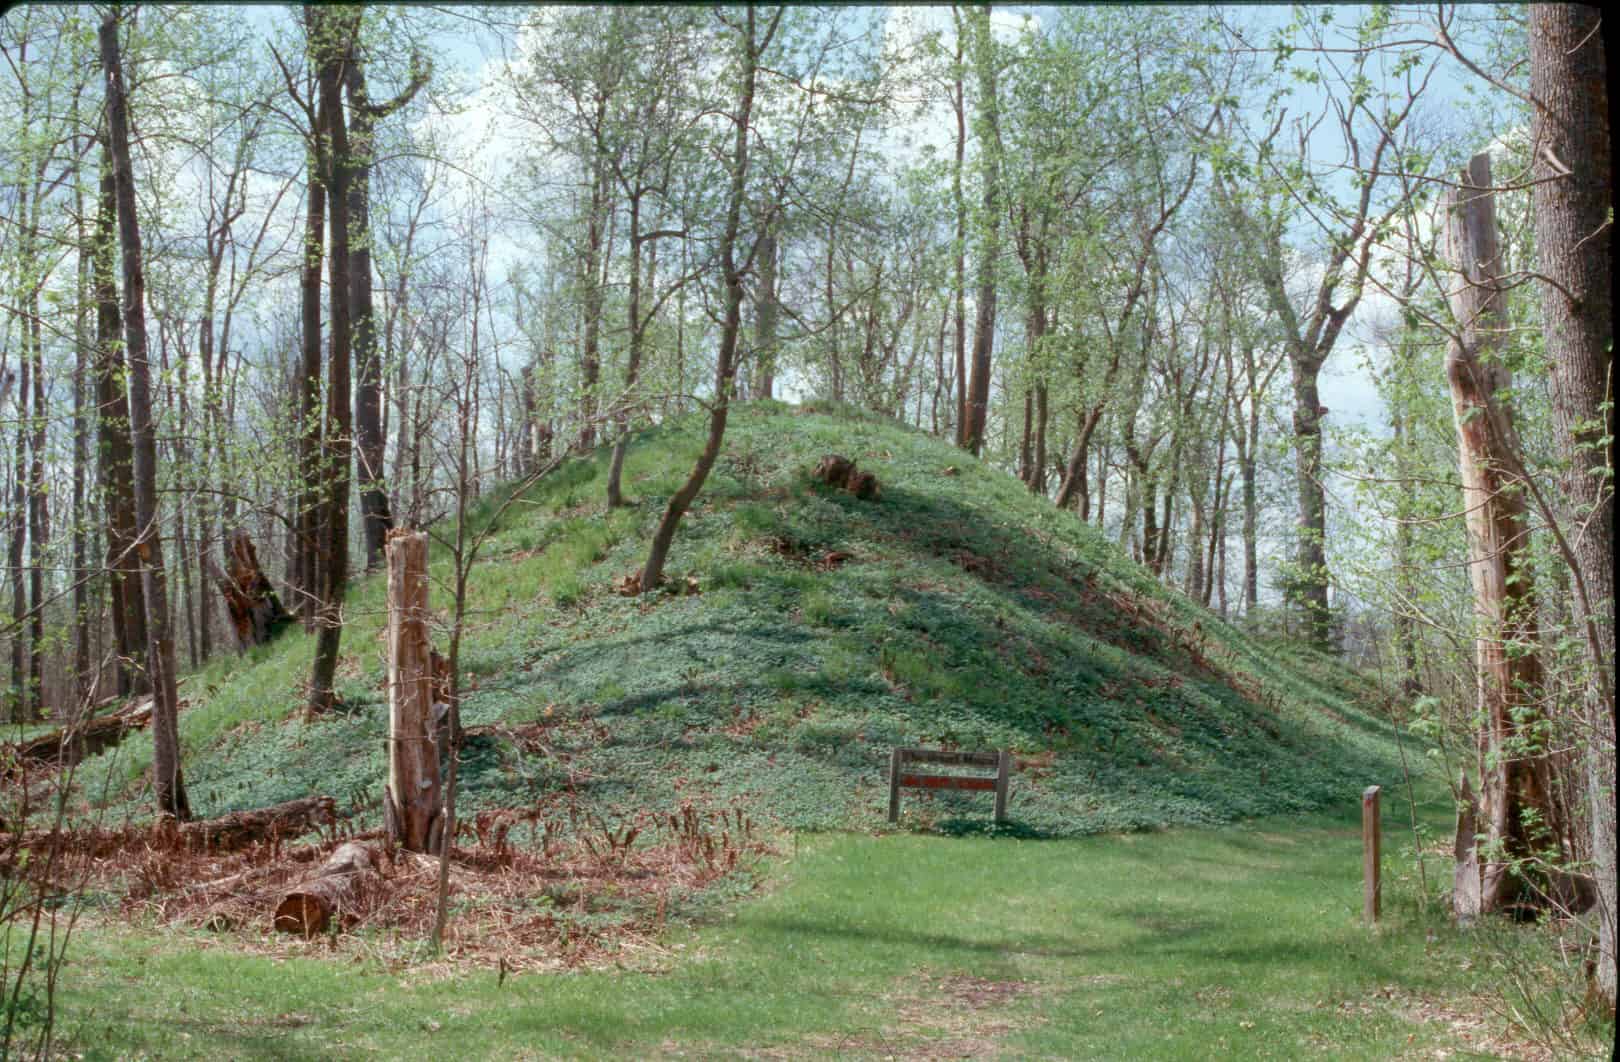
pixel 1244 941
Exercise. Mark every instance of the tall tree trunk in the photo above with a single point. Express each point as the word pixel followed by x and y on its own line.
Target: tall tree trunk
pixel 83 295
pixel 38 515
pixel 1512 763
pixel 14 557
pixel 590 359
pixel 167 781
pixel 632 368
pixel 304 579
pixel 959 102
pixel 335 40
pixel 371 438
pixel 1405 629
pixel 1573 240
pixel 1037 482
pixel 115 456
pixel 371 445
pixel 1310 578
pixel 990 252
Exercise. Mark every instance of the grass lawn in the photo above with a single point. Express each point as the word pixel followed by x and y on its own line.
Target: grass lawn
pixel 1243 941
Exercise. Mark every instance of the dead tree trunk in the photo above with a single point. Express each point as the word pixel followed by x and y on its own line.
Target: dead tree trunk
pixel 256 612
pixel 1512 766
pixel 411 802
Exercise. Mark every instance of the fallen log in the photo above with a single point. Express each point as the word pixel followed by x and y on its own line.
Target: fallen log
pixel 69 745
pixel 284 821
pixel 336 888
pixel 228 833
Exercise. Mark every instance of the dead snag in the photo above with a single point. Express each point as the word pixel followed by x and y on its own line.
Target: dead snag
pixel 1513 765
pixel 335 889
pixel 411 801
pixel 255 610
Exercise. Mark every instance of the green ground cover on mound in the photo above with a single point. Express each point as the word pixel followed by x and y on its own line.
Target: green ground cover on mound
pixel 957 609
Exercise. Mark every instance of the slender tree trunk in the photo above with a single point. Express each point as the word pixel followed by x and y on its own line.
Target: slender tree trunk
pixel 83 296
pixel 632 368
pixel 19 536
pixel 1405 629
pixel 1573 241
pixel 304 578
pixel 766 311
pixel 38 515
pixel 959 102
pixel 371 437
pixel 167 781
pixel 590 361
pixel 652 574
pixel 1037 482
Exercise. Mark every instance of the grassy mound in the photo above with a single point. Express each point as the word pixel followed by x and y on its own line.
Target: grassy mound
pixel 956 609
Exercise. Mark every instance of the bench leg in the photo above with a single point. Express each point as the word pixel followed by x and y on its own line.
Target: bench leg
pixel 1003 771
pixel 895 759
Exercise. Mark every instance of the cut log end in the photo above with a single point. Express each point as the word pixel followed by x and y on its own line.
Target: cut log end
pixel 334 890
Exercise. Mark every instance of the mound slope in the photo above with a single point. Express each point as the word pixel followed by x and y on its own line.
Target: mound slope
pixel 956 609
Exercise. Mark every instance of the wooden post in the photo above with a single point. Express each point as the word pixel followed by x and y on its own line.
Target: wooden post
pixel 1003 772
pixel 411 802
pixel 1371 846
pixel 896 758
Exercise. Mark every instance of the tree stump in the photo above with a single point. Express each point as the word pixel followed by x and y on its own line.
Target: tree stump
pixel 336 887
pixel 256 612
pixel 411 801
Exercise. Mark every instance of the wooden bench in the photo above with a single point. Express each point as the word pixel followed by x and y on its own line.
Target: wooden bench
pixel 899 778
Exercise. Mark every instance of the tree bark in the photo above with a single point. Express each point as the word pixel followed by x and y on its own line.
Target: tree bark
pixel 411 800
pixel 305 576
pixel 959 102
pixel 371 438
pixel 1573 241
pixel 984 327
pixel 334 35
pixel 115 457
pixel 167 781
pixel 1512 766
